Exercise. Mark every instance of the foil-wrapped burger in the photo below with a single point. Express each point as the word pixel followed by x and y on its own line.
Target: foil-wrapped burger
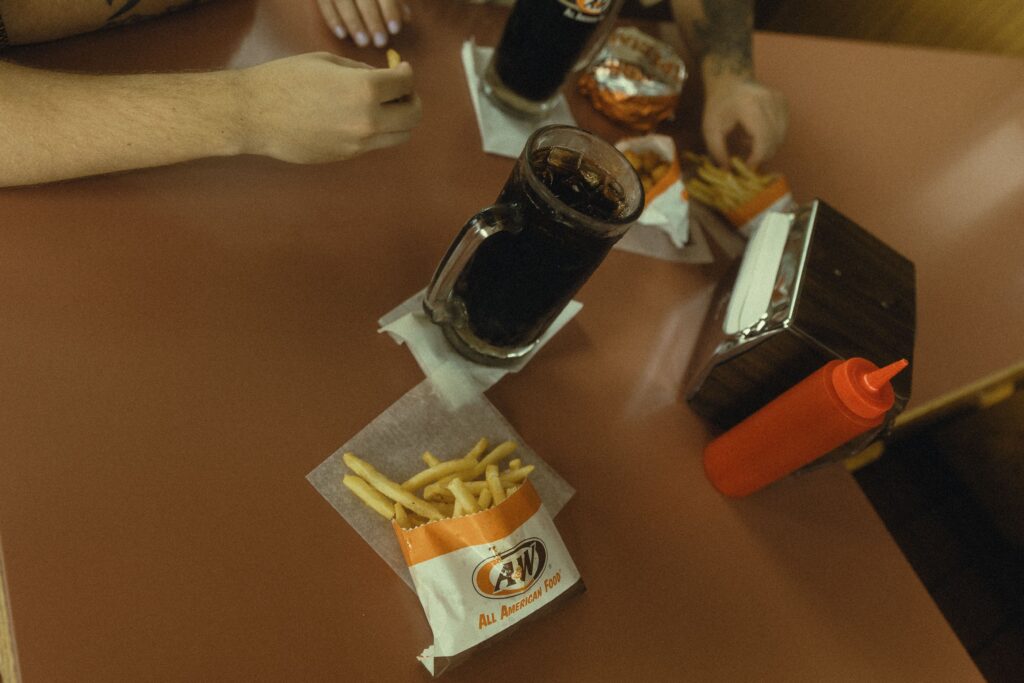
pixel 635 80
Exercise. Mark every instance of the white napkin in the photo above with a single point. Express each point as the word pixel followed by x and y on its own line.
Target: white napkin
pixel 458 379
pixel 502 133
pixel 759 270
pixel 423 420
pixel 656 242
pixel 670 215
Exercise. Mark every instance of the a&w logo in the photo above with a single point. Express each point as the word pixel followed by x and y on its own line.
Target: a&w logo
pixel 511 572
pixel 591 8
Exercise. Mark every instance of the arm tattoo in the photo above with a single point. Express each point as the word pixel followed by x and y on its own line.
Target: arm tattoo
pixel 123 13
pixel 725 34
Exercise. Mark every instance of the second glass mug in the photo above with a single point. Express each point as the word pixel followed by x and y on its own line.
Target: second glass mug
pixel 515 265
pixel 543 42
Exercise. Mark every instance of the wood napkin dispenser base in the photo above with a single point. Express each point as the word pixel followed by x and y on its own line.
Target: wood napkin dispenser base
pixel 836 292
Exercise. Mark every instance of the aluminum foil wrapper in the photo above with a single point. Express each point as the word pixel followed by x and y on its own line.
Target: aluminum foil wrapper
pixel 635 80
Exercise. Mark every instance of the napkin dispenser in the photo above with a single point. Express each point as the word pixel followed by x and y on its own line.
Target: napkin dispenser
pixel 812 286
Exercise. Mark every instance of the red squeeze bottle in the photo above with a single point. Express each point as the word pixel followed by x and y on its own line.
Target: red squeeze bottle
pixel 822 412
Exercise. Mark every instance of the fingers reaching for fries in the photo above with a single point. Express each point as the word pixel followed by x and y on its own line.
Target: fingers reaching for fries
pixel 448 488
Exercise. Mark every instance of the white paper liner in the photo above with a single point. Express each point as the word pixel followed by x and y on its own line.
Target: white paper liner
pixel 502 133
pixel 650 241
pixel 423 420
pixel 670 213
pixel 458 379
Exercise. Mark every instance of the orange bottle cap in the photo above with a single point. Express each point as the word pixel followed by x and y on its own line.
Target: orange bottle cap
pixel 864 388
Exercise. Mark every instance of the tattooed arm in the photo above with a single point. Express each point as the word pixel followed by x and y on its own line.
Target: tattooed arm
pixel 719 35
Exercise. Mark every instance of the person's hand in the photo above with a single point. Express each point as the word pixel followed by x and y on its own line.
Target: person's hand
pixel 761 111
pixel 320 107
pixel 365 20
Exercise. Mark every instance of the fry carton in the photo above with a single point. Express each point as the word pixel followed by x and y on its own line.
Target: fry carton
pixel 655 160
pixel 479 575
pixel 492 556
pixel 775 197
pixel 743 196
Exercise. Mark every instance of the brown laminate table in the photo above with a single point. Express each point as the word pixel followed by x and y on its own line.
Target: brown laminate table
pixel 180 346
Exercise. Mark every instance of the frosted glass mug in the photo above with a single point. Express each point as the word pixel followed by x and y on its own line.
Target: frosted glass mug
pixel 515 265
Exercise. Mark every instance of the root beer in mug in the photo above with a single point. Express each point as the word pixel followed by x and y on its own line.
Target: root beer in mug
pixel 543 42
pixel 515 265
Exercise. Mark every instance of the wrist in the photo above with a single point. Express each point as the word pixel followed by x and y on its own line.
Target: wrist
pixel 237 132
pixel 720 73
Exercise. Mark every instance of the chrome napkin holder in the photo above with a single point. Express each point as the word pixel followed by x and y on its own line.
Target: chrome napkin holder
pixel 838 292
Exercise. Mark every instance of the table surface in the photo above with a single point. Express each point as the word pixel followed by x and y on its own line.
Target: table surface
pixel 182 345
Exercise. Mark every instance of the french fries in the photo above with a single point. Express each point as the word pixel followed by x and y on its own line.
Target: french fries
pixel 500 452
pixel 494 484
pixel 437 472
pixel 463 498
pixel 394 59
pixel 448 488
pixel 389 488
pixel 400 515
pixel 369 495
pixel 725 190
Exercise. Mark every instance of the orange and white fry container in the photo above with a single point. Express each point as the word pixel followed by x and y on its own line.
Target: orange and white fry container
pixel 481 574
pixel 775 197
pixel 665 206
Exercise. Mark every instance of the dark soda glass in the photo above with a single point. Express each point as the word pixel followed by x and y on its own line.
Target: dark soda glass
pixel 515 265
pixel 520 279
pixel 542 42
pixel 539 47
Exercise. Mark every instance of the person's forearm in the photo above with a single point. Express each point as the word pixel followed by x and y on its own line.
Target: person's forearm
pixel 32 21
pixel 718 33
pixel 55 126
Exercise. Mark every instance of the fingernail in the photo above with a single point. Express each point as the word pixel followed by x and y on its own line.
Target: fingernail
pixel 394 27
pixel 361 39
pixel 340 32
pixel 380 40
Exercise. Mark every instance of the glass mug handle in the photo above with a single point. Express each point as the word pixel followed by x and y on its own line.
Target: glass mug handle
pixel 490 221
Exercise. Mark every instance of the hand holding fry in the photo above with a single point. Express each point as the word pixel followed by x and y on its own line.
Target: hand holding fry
pixel 740 101
pixel 317 108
